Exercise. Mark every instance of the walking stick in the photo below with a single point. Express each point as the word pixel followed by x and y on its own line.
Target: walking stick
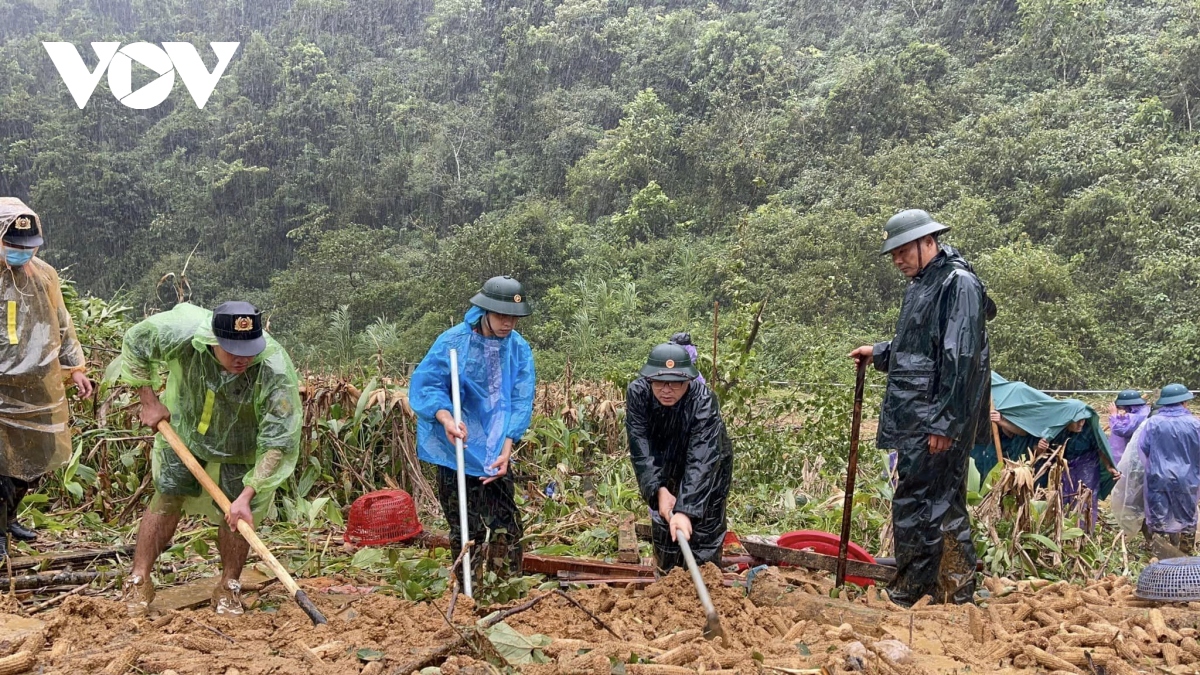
pixel 996 435
pixel 246 530
pixel 462 475
pixel 851 472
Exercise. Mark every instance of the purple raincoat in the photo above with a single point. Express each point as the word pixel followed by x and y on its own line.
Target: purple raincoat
pixel 1123 425
pixel 1170 445
pixel 691 349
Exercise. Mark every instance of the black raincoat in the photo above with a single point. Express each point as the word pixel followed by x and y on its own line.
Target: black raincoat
pixel 938 383
pixel 685 449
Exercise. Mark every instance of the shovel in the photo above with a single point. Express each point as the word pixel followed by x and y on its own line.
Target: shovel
pixel 247 532
pixel 712 626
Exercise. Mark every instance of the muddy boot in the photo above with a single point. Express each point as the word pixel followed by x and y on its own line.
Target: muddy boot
pixel 227 598
pixel 21 533
pixel 137 594
pixel 1187 542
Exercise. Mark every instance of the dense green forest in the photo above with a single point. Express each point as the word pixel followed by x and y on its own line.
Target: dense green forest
pixel 364 164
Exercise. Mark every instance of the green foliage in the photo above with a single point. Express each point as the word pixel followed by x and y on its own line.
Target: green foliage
pixel 363 167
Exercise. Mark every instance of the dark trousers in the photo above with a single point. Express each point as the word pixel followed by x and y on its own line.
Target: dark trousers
pixel 934 552
pixel 706 546
pixel 493 522
pixel 12 491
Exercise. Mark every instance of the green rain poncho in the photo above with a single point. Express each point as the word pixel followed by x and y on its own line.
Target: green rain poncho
pixel 253 419
pixel 39 350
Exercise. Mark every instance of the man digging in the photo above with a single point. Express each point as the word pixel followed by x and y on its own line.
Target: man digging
pixel 934 407
pixel 497 381
pixel 681 454
pixel 39 351
pixel 233 397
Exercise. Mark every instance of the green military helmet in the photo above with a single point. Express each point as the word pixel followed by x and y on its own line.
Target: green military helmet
pixel 908 226
pixel 669 363
pixel 502 295
pixel 1173 393
pixel 1130 397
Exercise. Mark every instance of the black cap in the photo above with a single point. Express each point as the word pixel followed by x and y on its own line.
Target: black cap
pixel 238 327
pixel 24 232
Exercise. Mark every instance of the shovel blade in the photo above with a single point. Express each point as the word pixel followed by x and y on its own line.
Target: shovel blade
pixel 713 629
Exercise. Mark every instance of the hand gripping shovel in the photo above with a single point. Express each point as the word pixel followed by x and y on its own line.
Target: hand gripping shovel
pixel 712 627
pixel 247 532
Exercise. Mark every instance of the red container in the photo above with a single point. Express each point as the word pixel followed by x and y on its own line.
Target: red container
pixel 826 543
pixel 382 517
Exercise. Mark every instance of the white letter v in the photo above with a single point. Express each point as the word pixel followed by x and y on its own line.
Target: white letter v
pixel 199 82
pixel 74 73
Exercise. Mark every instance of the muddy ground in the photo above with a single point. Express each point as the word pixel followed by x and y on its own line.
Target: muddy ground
pixel 786 624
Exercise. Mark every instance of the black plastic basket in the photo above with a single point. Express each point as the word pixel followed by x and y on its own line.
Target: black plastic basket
pixel 1172 580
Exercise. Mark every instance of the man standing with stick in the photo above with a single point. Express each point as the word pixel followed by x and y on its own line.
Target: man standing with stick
pixel 934 408
pixel 233 397
pixel 496 375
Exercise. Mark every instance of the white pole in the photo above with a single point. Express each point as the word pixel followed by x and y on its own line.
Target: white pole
pixel 462 475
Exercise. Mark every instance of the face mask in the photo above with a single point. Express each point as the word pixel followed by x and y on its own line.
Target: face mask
pixel 16 257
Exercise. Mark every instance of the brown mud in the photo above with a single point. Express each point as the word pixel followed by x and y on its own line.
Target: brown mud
pixel 787 624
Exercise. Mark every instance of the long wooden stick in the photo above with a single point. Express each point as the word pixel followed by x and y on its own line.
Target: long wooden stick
pixel 716 311
pixel 995 435
pixel 860 377
pixel 246 530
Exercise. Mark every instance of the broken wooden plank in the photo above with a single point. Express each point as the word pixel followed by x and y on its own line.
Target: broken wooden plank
pixel 199 591
pixel 767 551
pixel 627 543
pixel 53 560
pixel 551 565
pixel 643 532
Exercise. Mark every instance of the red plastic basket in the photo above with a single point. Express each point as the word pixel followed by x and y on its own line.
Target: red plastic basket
pixel 382 517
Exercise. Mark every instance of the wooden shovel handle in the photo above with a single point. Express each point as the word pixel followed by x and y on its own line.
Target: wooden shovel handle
pixel 218 496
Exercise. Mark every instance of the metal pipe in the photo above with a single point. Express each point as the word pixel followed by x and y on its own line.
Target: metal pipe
pixel 462 475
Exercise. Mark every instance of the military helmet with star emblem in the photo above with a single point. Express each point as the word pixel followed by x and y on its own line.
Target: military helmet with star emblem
pixel 908 226
pixel 669 363
pixel 502 295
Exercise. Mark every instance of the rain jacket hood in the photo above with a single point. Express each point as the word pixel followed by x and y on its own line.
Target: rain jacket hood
pixel 497 381
pixel 254 418
pixel 686 449
pixel 10 209
pixel 38 350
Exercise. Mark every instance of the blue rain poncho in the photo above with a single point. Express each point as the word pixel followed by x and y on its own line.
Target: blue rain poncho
pixel 1170 447
pixel 497 383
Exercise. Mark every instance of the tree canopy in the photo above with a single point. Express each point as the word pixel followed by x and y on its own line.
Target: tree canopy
pixel 363 166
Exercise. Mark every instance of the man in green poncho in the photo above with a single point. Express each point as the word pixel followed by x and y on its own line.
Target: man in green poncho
pixel 233 397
